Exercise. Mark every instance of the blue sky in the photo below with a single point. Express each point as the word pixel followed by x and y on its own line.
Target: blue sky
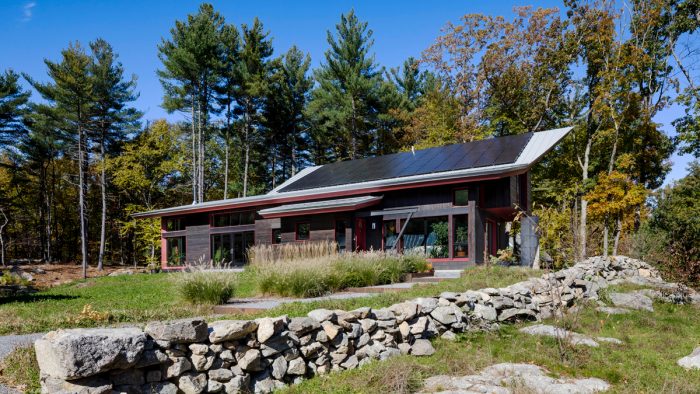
pixel 36 29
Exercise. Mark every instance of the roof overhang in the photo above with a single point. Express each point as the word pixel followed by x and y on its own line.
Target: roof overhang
pixel 540 143
pixel 323 206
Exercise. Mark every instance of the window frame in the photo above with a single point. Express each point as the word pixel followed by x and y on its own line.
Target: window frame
pixel 180 222
pixel 454 196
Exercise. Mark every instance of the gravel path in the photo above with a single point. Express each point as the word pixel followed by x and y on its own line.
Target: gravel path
pixel 7 344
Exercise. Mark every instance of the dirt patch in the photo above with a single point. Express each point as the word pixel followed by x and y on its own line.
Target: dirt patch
pixel 49 275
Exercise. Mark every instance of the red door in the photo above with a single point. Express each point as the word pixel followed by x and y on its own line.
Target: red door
pixel 360 234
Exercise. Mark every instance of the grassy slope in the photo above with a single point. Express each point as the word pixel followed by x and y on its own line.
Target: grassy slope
pixel 141 297
pixel 646 363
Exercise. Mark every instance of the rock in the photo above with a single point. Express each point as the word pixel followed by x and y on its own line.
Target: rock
pixel 214 387
pixel 321 315
pixel 90 385
pixel 422 347
pixel 404 311
pixel 449 336
pixel 427 305
pixel 267 327
pixel 485 312
pixel 177 367
pixel 611 310
pixel 78 353
pixel 179 331
pixel 221 375
pixel 230 330
pixel 350 363
pixel 296 367
pixel 303 325
pixel 501 378
pixel 159 388
pixel 192 383
pixel 447 314
pixel 202 363
pixel 691 361
pixel 556 332
pixel 200 349
pixel 609 340
pixel 251 361
pixel 239 384
pixel 368 325
pixel 632 301
pixel 279 368
pixel 517 314
pixel 151 357
pixel 127 376
pixel 330 329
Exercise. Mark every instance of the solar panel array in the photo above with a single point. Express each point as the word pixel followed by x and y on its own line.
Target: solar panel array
pixel 489 152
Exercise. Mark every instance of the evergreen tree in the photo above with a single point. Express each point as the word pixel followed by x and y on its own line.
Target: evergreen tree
pixel 112 116
pixel 285 122
pixel 191 61
pixel 250 97
pixel 71 94
pixel 346 102
pixel 12 106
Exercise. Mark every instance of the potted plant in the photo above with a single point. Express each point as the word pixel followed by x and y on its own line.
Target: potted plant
pixel 461 242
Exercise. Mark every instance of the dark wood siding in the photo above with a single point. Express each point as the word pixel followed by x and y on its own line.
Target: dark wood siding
pixel 263 230
pixel 198 243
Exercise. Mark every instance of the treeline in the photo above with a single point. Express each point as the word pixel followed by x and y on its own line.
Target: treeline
pixel 254 119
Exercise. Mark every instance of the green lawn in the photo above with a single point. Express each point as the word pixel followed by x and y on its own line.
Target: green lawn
pixel 142 297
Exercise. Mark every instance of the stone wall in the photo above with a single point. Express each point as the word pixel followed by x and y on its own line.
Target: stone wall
pixel 193 356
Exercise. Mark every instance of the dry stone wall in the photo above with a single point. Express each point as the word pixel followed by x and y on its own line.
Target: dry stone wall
pixel 230 356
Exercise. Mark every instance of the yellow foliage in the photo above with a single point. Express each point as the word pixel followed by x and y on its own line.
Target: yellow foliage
pixel 614 195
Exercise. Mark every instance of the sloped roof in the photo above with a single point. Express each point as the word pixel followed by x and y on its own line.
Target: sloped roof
pixel 338 204
pixel 486 158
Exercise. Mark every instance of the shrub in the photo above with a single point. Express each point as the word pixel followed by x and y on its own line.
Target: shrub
pixel 206 286
pixel 9 279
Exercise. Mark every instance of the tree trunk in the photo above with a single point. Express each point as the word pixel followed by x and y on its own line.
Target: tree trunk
pixel 2 240
pixel 226 148
pixel 200 144
pixel 584 203
pixel 246 161
pixel 618 230
pixel 605 237
pixel 82 195
pixel 103 191
pixel 194 156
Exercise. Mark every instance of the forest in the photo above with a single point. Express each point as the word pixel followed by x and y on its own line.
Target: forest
pixel 77 157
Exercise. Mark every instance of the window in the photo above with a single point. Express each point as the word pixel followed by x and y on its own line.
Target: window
pixel 390 234
pixel 276 235
pixel 231 248
pixel 234 219
pixel 460 198
pixel 175 250
pixel 427 235
pixel 340 238
pixel 174 224
pixel 303 231
pixel 460 236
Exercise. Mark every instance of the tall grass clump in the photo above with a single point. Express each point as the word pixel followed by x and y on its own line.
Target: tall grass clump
pixel 206 286
pixel 312 271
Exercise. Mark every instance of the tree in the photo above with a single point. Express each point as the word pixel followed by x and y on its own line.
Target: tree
pixel 12 107
pixel 288 95
pixel 254 74
pixel 71 94
pixel 112 116
pixel 191 61
pixel 344 106
pixel 229 85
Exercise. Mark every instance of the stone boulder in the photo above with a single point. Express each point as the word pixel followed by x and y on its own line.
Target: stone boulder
pixel 691 361
pixel 230 330
pixel 79 353
pixel 632 301
pixel 178 331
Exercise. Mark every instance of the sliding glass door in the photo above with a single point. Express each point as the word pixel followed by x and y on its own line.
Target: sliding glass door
pixel 231 248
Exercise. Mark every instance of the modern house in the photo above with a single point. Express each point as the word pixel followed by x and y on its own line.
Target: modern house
pixel 450 203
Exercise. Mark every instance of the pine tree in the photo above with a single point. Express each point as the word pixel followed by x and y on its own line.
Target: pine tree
pixel 12 107
pixel 71 94
pixel 254 74
pixel 112 116
pixel 191 61
pixel 285 122
pixel 345 104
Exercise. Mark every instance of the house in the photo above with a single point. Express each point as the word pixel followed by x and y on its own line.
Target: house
pixel 451 203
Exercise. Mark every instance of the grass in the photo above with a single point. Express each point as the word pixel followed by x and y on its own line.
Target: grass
pixel 21 370
pixel 206 287
pixel 646 363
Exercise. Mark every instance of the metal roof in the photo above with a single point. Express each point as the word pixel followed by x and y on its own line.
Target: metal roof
pixel 322 205
pixel 536 146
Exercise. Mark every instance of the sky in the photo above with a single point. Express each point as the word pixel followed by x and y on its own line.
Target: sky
pixel 33 30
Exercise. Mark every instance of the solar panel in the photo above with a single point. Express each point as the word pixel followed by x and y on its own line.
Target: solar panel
pixel 493 151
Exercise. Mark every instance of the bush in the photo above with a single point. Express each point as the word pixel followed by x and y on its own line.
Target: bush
pixel 320 276
pixel 206 287
pixel 9 279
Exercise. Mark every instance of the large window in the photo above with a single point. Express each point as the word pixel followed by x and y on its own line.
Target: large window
pixel 340 238
pixel 303 231
pixel 460 236
pixel 175 250
pixel 234 219
pixel 428 236
pixel 174 224
pixel 231 248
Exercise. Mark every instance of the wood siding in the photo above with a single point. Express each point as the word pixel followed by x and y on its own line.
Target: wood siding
pixel 198 243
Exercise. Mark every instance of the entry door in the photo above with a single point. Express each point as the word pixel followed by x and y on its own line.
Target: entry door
pixel 360 234
pixel 374 233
